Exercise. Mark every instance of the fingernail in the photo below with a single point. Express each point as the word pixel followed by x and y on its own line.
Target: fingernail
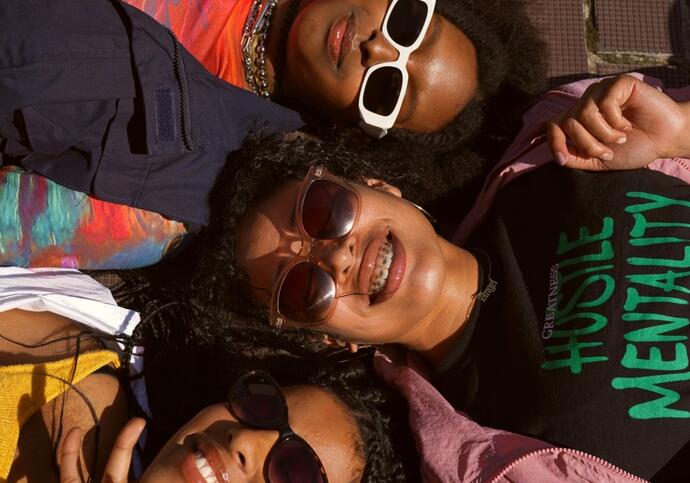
pixel 607 156
pixel 561 159
pixel 621 140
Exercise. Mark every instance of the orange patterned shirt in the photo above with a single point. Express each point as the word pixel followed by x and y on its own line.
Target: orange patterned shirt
pixel 210 29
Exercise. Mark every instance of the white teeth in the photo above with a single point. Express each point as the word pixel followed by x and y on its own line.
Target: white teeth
pixel 381 267
pixel 204 468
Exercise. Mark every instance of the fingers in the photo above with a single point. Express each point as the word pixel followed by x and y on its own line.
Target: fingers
pixel 117 469
pixel 593 124
pixel 69 457
pixel 579 160
pixel 611 109
pixel 587 143
pixel 557 140
pixel 570 140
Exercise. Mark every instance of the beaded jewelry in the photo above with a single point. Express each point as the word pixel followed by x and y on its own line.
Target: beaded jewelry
pixel 253 45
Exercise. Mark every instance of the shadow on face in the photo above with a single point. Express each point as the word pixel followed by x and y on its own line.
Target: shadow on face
pixel 332 43
pixel 234 452
pixel 390 271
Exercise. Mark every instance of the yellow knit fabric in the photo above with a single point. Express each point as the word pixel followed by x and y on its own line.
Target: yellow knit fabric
pixel 25 388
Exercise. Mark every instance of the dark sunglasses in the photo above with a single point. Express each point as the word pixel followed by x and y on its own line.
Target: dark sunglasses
pixel 384 84
pixel 327 211
pixel 257 401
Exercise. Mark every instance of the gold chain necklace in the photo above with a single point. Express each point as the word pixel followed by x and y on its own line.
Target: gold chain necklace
pixel 254 45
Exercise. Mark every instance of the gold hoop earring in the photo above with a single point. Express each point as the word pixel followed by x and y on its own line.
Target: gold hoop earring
pixel 426 213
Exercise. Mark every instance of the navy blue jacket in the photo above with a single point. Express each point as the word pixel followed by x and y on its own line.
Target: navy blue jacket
pixel 100 98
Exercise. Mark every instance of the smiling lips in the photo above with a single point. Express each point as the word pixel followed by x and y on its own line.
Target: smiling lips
pixel 385 263
pixel 204 467
pixel 339 40
pixel 379 275
pixel 203 463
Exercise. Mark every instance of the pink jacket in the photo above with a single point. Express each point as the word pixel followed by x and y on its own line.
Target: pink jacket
pixel 454 448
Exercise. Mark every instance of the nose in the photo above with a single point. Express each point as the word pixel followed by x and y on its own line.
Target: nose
pixel 377 49
pixel 339 256
pixel 248 449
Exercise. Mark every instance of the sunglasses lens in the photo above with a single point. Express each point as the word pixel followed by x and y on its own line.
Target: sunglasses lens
pixel 329 210
pixel 406 21
pixel 292 461
pixel 257 401
pixel 307 294
pixel 382 90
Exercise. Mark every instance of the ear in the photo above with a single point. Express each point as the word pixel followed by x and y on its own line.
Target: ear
pixel 379 184
pixel 331 341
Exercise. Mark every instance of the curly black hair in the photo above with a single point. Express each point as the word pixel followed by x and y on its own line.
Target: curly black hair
pixel 511 58
pixel 194 352
pixel 261 166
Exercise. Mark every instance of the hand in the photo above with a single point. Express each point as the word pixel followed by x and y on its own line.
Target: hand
pixel 117 468
pixel 620 123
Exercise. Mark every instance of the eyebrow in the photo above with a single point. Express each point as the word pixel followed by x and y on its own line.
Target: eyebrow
pixel 431 39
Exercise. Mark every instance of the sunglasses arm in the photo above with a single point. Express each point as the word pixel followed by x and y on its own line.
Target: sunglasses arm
pixel 373 131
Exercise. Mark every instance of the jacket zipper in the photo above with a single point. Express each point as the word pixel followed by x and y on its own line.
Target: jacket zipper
pixel 573 452
pixel 178 66
pixel 683 162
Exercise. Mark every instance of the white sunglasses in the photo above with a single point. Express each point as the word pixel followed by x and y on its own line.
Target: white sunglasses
pixel 384 85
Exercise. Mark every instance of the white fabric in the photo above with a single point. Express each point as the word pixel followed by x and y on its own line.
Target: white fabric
pixel 77 296
pixel 69 293
pixel 66 292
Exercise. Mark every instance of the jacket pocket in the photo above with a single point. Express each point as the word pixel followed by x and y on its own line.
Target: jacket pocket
pixel 53 129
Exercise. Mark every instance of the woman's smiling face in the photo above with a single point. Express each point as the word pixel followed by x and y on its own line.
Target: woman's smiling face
pixel 238 452
pixel 414 283
pixel 332 42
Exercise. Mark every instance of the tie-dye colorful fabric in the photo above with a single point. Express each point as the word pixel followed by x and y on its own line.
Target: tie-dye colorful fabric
pixel 43 224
